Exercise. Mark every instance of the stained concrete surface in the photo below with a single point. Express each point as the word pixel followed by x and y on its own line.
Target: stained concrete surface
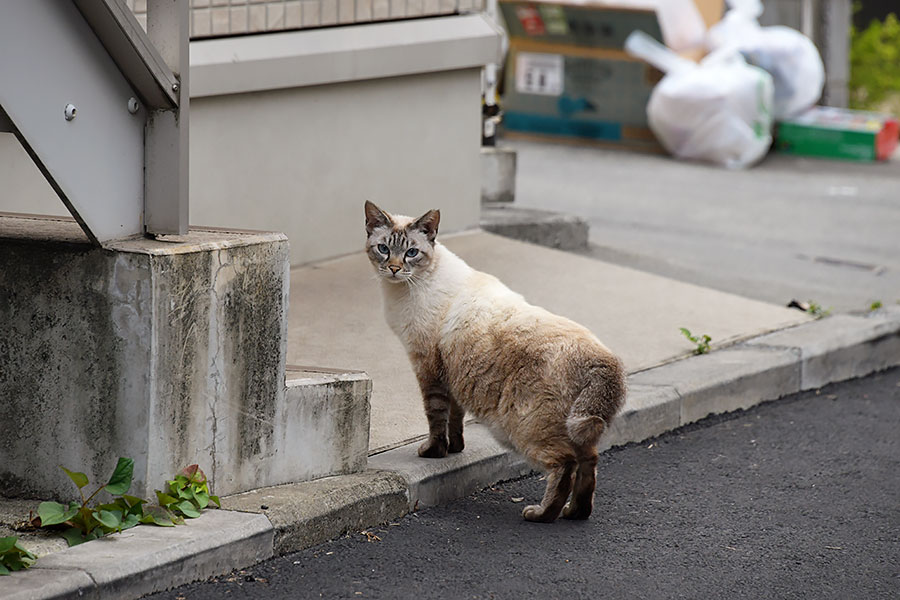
pixel 336 317
pixel 810 229
pixel 793 499
pixel 170 353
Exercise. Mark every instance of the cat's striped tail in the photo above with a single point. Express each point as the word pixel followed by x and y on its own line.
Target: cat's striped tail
pixel 598 402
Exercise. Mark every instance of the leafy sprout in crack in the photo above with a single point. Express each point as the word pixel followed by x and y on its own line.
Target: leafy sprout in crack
pixel 86 522
pixel 701 341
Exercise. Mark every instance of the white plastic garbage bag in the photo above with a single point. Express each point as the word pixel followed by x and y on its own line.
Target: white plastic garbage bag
pixel 719 110
pixel 788 55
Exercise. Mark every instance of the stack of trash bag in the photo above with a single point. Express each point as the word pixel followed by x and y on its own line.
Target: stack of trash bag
pixel 718 110
pixel 721 109
pixel 789 56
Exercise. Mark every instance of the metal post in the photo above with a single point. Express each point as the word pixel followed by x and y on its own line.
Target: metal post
pixel 166 188
pixel 835 48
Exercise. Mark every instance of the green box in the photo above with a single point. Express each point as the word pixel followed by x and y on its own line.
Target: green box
pixel 829 132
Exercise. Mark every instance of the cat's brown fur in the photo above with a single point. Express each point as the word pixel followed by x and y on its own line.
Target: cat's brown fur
pixel 541 382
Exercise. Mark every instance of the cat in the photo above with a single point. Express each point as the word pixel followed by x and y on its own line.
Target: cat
pixel 542 383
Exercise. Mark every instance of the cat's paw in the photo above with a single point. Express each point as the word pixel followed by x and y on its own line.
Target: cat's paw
pixel 576 512
pixel 536 514
pixel 433 449
pixel 456 445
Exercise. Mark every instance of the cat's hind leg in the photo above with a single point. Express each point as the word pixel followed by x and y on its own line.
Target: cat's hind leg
pixel 455 426
pixel 582 502
pixel 559 485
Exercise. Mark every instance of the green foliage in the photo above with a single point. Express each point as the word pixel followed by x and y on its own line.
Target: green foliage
pixel 14 556
pixel 817 310
pixel 875 64
pixel 86 522
pixel 875 305
pixel 702 341
pixel 187 494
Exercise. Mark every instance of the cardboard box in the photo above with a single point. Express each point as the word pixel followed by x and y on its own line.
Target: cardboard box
pixel 568 76
pixel 839 133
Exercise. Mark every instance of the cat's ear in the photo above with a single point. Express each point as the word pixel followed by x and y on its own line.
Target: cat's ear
pixel 428 224
pixel 375 217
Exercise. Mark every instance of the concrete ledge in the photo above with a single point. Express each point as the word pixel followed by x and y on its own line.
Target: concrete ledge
pixel 308 513
pixel 841 347
pixel 555 230
pixel 35 584
pixel 324 423
pixel 144 560
pixel 434 481
pixel 726 380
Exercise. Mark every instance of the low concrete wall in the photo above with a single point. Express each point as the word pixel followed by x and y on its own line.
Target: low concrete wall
pixel 170 353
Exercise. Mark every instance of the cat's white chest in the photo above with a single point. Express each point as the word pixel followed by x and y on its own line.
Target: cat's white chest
pixel 414 317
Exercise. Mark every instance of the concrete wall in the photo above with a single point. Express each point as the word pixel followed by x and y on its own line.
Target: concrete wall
pixel 171 353
pixel 303 160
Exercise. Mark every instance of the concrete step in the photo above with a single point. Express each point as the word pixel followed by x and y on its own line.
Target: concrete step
pixel 542 227
pixel 326 417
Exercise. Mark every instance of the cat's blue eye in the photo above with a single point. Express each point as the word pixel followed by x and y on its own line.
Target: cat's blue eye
pixel 412 252
pixel 384 249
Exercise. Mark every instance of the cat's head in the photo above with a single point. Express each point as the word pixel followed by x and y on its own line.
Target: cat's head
pixel 400 248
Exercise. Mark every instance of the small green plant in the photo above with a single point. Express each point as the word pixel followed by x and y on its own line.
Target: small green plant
pixel 86 522
pixel 188 494
pixel 14 556
pixel 817 310
pixel 702 341
pixel 875 306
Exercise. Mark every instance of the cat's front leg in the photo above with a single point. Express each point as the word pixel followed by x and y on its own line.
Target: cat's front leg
pixel 437 411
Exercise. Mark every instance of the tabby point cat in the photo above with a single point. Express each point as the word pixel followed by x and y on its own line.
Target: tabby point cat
pixel 542 383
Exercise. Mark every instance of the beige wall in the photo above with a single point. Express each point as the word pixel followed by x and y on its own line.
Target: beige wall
pixel 22 187
pixel 303 160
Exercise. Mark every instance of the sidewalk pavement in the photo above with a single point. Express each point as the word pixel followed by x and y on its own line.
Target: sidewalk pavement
pixel 760 352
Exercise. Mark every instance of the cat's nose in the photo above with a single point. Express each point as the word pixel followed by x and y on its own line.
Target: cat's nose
pixel 394 268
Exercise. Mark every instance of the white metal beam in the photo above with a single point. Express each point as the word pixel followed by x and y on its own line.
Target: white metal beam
pixel 132 50
pixel 166 143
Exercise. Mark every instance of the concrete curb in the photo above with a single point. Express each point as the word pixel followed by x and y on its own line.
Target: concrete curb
pixel 145 559
pixel 545 228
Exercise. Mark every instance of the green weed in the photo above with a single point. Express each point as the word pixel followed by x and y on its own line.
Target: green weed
pixel 14 556
pixel 702 341
pixel 86 522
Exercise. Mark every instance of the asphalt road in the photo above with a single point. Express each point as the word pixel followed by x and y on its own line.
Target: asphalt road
pixel 788 228
pixel 798 498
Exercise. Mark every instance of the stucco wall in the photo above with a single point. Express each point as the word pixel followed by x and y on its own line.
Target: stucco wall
pixel 303 160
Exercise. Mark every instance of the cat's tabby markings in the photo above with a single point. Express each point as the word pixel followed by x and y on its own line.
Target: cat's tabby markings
pixel 543 383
